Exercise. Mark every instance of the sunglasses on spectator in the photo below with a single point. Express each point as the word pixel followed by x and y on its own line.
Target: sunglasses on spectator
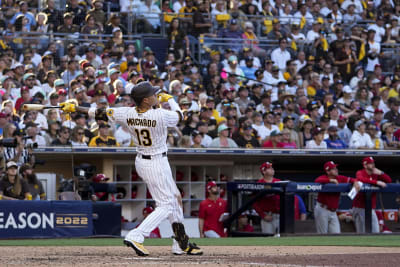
pixel 81 133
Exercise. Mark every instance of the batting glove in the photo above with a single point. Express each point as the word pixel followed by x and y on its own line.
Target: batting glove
pixel 68 107
pixel 163 97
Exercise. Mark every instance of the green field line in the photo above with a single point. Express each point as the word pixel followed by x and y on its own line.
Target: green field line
pixel 361 241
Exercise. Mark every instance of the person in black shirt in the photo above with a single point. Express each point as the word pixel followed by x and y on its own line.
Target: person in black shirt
pixel 393 115
pixel 247 138
pixel 12 186
pixel 63 137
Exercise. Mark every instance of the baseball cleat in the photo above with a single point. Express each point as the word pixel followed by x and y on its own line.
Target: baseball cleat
pixel 137 247
pixel 180 235
pixel 193 249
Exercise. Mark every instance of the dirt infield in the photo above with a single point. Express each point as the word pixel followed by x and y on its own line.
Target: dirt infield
pixel 213 256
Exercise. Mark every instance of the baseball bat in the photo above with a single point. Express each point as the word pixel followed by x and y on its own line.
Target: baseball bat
pixel 26 107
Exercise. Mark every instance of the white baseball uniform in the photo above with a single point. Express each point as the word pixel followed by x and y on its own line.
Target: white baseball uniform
pixel 149 131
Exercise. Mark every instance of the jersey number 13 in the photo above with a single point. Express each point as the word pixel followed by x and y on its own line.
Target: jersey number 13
pixel 143 137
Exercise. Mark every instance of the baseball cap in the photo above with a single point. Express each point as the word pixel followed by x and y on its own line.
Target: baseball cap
pixel 330 165
pixel 332 129
pixel 210 185
pixel 347 89
pixel 247 127
pixel 342 118
pixel 59 82
pixel 317 131
pixel 378 110
pixel 233 22
pixel 332 107
pixel 104 125
pixel 358 123
pixel 27 76
pixel 374 81
pixel 222 127
pixel 116 29
pixel 195 133
pixel 112 71
pixel 368 160
pixel 62 92
pixel 184 101
pixel 25 167
pixel 24 88
pixel 11 164
pixel 100 177
pixel 265 165
pixel 144 89
pixel 275 133
pixel 232 58
pixel 287 118
pixel 16 65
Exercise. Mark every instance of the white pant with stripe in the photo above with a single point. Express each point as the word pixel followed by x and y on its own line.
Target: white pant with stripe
pixel 156 173
pixel 326 221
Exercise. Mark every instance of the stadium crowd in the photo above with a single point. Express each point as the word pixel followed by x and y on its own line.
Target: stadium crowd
pixel 322 82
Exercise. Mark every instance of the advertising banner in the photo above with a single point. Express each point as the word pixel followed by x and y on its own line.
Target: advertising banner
pixel 26 219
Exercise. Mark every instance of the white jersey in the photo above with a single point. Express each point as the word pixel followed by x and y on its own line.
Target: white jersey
pixel 148 129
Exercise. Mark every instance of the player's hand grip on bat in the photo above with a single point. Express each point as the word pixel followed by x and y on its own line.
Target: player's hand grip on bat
pixel 68 107
pixel 163 97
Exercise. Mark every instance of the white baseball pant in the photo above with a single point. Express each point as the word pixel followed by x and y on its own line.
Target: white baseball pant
pixel 156 173
pixel 271 227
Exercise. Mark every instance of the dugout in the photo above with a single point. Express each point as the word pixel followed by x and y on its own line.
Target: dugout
pixel 240 164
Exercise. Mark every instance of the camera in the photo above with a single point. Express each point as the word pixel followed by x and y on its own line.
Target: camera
pixel 8 142
pixel 31 146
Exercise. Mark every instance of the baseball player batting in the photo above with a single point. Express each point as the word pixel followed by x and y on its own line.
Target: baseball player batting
pixel 148 126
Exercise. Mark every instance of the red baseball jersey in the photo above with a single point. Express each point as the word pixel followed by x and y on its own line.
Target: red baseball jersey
pixel 210 211
pixel 331 200
pixel 363 176
pixel 269 203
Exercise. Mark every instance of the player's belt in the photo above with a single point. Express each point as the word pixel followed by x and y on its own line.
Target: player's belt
pixel 150 157
pixel 325 207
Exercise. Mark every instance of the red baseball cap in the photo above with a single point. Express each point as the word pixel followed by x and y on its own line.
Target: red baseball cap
pixel 62 92
pixel 377 110
pixel 24 88
pixel 211 184
pixel 100 177
pixel 368 160
pixel 265 165
pixel 330 165
pixel 3 115
pixel 342 118
pixel 147 210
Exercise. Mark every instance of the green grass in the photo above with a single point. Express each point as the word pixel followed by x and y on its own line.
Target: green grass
pixel 361 241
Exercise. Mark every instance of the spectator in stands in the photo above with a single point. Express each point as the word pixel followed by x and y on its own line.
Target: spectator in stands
pixel 201 22
pixel 393 115
pixel 334 142
pixel 98 13
pixel 103 138
pixel 13 186
pixel 318 140
pixel 370 175
pixel 32 131
pixel 280 55
pixel 151 12
pixel 35 187
pixel 63 137
pixel 360 139
pixel 78 136
pixel 390 141
pixel 211 213
pixel 178 40
pixel 223 140
pixel 274 139
pixel 247 138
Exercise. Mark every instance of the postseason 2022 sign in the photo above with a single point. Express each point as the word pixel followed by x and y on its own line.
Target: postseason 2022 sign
pixel 25 219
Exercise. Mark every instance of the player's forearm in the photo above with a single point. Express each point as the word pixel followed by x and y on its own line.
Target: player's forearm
pixel 201 226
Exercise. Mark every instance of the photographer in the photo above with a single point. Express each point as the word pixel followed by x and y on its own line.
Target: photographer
pixel 14 149
pixel 12 186
pixel 34 139
pixel 35 187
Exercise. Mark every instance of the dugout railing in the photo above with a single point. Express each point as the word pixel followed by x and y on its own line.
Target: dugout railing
pixel 287 191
